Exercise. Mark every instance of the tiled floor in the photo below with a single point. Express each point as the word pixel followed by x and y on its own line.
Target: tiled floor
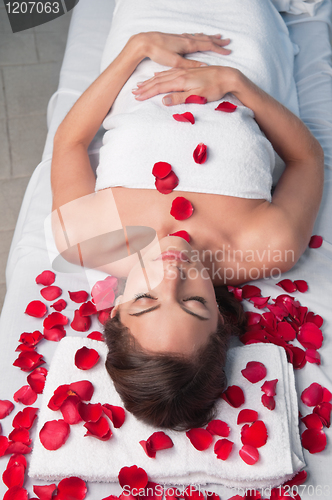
pixel 30 63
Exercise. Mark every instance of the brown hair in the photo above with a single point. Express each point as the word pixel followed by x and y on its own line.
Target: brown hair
pixel 168 390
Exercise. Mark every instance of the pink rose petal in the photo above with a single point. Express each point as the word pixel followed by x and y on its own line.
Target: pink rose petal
pixel 103 293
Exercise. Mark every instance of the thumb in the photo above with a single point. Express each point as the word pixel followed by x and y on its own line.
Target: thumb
pixel 175 98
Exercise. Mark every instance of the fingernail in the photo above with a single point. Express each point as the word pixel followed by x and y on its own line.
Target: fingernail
pixel 167 100
pixel 203 64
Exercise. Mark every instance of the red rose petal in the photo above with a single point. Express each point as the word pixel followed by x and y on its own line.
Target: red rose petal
pixel 327 395
pixel 21 435
pixel 247 416
pixel 69 410
pixel 4 443
pixel 312 356
pixel 80 323
pixel 133 477
pixel 323 410
pixel 160 441
pixel 222 448
pixel 234 396
pixel 14 476
pixel 36 308
pixel 87 309
pixel 86 358
pixel 103 317
pixel 195 99
pixel 226 106
pixel 299 359
pixel 152 491
pixel 84 389
pixel 297 480
pixel 219 428
pixel 46 278
pixel 201 439
pixel 115 413
pixel 184 117
pixel 59 305
pixel 268 402
pixel 312 421
pixel 237 292
pixel 200 153
pixel 249 291
pixel 54 319
pixel 54 434
pixel 249 454
pixel 181 234
pixel 16 493
pixel 96 336
pixel 103 293
pixel 210 495
pixel 147 447
pixel 78 297
pixel 6 407
pixel 315 241
pixel 253 318
pixel 18 447
pixel 254 434
pixel 254 371
pixel 259 302
pixel 161 169
pixel 181 208
pixel 269 387
pixel 167 184
pixel 286 331
pixel 313 440
pixel 28 360
pixel 301 285
pixel 312 395
pixel 31 339
pixel 44 492
pixel 314 318
pixel 71 488
pixel 310 336
pixel 90 412
pixel 55 334
pixel 25 418
pixel 25 395
pixel 51 292
pixel 287 285
pixel 59 396
pixel 17 459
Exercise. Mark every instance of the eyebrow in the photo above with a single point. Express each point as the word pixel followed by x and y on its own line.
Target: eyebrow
pixel 159 305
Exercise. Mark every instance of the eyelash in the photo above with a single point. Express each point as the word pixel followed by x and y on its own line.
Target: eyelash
pixel 148 296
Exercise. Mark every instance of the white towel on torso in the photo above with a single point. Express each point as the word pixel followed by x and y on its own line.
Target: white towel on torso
pixel 240 160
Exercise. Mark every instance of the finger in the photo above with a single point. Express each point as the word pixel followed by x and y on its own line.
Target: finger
pixel 176 98
pixel 158 80
pixel 181 62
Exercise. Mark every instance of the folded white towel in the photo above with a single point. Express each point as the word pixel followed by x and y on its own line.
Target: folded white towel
pixel 297 6
pixel 94 460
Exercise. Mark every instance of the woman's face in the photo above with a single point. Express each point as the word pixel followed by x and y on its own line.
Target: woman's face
pixel 179 314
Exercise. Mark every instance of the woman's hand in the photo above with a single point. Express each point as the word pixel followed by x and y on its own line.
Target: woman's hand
pixel 169 49
pixel 211 82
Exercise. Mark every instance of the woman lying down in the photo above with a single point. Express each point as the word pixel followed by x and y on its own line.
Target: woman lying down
pixel 169 329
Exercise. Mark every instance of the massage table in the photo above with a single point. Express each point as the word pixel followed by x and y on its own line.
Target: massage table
pixel 29 254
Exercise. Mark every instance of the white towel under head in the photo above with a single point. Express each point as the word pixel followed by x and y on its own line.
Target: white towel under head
pixel 94 460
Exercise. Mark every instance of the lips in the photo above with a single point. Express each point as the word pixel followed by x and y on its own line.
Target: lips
pixel 174 256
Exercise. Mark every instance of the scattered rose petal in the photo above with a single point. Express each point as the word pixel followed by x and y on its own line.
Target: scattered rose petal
pixel 253 318
pixel 86 358
pixel 84 389
pixel 254 434
pixel 115 413
pixel 250 291
pixel 301 285
pixel 299 359
pixel 268 402
pixel 323 410
pixel 167 184
pixel 297 480
pixel 286 331
pixel 315 241
pixel 234 396
pixel 181 234
pixel 90 412
pixel 17 459
pixel 44 492
pixel 181 208
pixel 71 488
pixel 196 99
pixel 18 447
pixel 193 493
pixel 226 106
pixel 287 285
pixel 313 440
pixel 54 319
pixel 314 318
pixel 87 309
pixel 25 418
pixel 156 442
pixel 236 291
pixel 312 421
pixel 46 278
pixel 69 410
pixel 96 336
pixel 59 305
pixel 36 308
pixel 31 339
pixel 25 395
pixel 80 323
pixel 14 476
pixel 184 117
pixel 100 429
pixel 259 302
pixel 222 448
pixel 312 395
pixel 310 336
pixel 219 428
pixel 55 334
pixel 16 493
pixel 79 297
pixel 152 491
pixel 200 153
pixel 4 443
pixel 247 416
pixel 21 435
pixel 210 495
pixel 312 356
pixel 103 292
pixel 103 317
pixel 249 454
pixel 161 169
pixel 59 396
pixel 133 477
pixel 28 360
pixel 254 371
pixel 54 434
pixel 201 439
pixel 269 387
pixel 51 292
pixel 327 396
pixel 6 407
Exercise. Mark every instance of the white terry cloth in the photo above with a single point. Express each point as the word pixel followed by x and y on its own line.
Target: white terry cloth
pixel 95 460
pixel 298 6
pixel 240 159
